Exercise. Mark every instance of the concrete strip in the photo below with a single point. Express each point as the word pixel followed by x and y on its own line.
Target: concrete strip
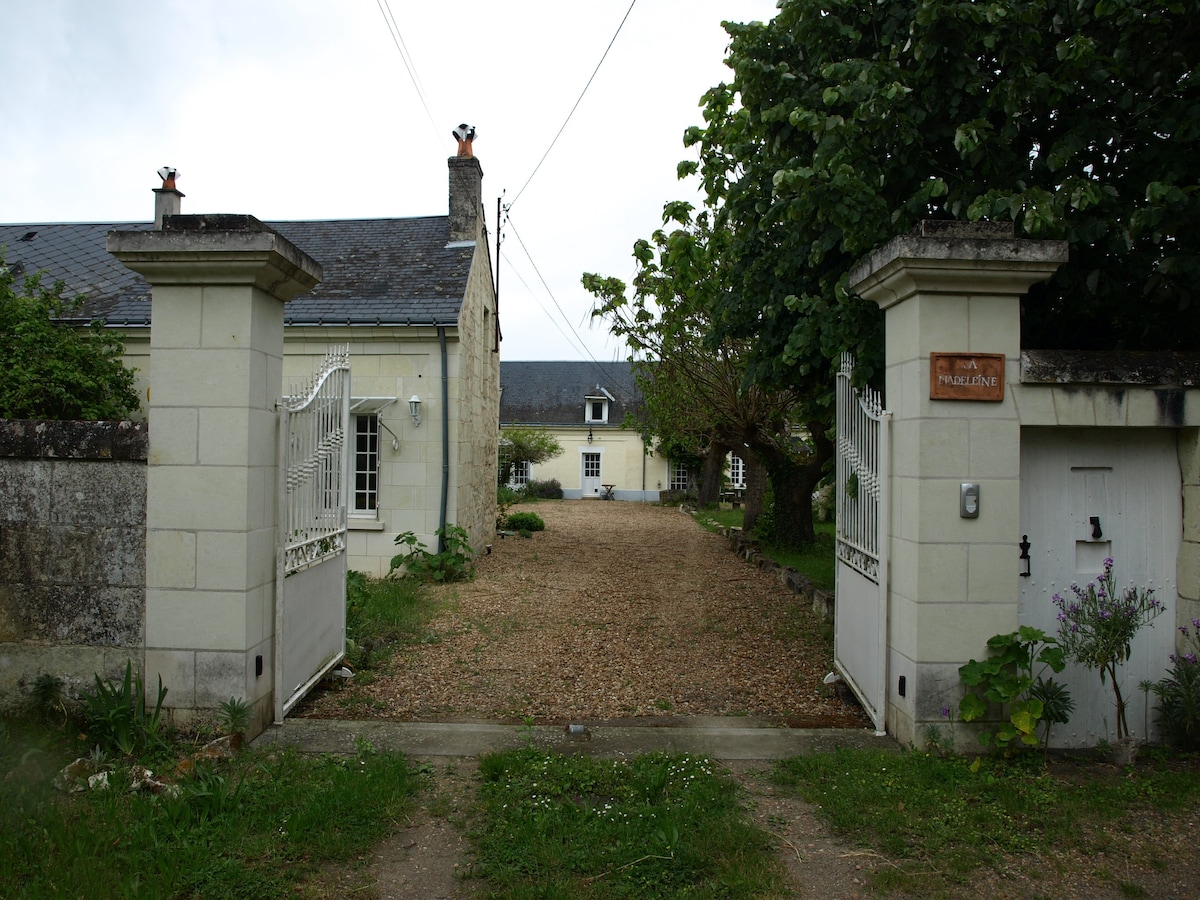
pixel 713 737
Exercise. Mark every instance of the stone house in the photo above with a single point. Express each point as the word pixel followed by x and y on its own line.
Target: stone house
pixel 414 300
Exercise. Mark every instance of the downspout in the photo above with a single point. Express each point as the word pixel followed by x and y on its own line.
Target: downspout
pixel 441 329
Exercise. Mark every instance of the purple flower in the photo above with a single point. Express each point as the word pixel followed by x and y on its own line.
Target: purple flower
pixel 1190 657
pixel 1183 630
pixel 945 711
pixel 1196 623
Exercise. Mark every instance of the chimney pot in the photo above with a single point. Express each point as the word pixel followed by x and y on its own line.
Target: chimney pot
pixel 166 198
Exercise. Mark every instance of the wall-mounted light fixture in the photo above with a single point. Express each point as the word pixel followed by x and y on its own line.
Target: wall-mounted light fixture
pixel 589 434
pixel 414 407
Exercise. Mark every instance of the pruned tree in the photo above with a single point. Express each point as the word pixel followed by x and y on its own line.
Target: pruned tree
pixel 55 370
pixel 696 388
pixel 520 445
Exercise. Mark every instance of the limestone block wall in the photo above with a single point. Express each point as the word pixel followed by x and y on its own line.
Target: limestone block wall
pixel 72 552
pixel 476 433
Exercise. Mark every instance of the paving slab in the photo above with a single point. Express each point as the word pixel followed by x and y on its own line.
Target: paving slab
pixel 718 738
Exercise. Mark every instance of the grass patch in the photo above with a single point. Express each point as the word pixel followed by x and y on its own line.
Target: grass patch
pixel 382 614
pixel 942 818
pixel 658 825
pixel 816 562
pixel 254 826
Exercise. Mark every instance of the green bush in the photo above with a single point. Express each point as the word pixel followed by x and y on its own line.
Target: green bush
pixel 544 490
pixel 525 521
pixel 451 564
pixel 57 371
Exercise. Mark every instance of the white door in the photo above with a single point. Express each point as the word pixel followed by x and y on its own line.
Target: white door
pixel 1088 494
pixel 590 483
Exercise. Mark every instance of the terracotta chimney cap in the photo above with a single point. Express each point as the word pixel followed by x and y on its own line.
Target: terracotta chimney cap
pixel 168 174
pixel 465 134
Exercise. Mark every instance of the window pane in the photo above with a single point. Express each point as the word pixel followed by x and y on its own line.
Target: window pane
pixel 591 465
pixel 366 463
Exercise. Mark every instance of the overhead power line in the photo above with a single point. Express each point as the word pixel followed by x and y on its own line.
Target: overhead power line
pixel 406 58
pixel 576 106
pixel 574 334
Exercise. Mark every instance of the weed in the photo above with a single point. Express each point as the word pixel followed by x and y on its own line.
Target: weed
pixel 233 715
pixel 453 563
pixel 117 719
pixel 1007 678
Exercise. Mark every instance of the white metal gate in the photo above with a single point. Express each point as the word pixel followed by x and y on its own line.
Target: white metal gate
pixel 1088 494
pixel 314 485
pixel 860 618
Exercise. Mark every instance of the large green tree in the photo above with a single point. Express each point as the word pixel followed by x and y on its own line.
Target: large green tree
pixel 54 370
pixel 846 122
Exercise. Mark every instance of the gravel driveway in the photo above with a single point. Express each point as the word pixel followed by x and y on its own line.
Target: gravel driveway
pixel 616 610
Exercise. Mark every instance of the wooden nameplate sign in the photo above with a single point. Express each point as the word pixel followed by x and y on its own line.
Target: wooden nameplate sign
pixel 966 376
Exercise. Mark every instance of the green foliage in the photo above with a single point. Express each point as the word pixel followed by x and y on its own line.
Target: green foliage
pixel 1007 678
pixel 519 445
pixel 233 715
pixel 506 498
pixel 525 521
pixel 1097 624
pixel 846 124
pixel 1178 693
pixel 47 701
pixel 653 826
pixel 118 720
pixel 54 370
pixel 453 563
pixel 938 819
pixel 544 490
pixel 382 614
pixel 696 379
pixel 255 826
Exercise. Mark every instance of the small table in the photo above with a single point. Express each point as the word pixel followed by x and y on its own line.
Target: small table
pixel 608 492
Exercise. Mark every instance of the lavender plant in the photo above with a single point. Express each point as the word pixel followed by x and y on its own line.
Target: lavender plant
pixel 1178 693
pixel 1097 624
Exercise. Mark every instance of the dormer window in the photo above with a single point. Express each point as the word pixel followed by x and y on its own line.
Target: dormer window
pixel 595 410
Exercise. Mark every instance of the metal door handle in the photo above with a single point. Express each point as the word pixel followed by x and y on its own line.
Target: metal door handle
pixel 1096 532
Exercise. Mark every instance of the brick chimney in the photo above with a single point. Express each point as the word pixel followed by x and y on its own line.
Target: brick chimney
pixel 166 198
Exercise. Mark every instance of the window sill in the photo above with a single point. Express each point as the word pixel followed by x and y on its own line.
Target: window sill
pixel 354 523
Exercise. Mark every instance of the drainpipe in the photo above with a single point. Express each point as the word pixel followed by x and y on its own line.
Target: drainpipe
pixel 445 441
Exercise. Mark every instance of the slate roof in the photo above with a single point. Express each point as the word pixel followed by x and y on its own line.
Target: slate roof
pixel 553 393
pixel 376 271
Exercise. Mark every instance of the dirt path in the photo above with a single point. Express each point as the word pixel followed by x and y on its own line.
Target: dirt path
pixel 616 610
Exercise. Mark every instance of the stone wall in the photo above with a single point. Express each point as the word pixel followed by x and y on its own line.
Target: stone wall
pixel 72 552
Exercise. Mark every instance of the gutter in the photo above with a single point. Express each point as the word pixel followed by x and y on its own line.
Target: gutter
pixel 445 441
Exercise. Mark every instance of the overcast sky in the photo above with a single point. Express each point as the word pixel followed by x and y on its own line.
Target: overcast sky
pixel 304 109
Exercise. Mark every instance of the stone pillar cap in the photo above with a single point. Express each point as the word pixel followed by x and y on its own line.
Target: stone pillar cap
pixel 217 249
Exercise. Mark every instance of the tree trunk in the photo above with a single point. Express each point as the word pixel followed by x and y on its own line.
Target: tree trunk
pixel 712 475
pixel 756 489
pixel 792 483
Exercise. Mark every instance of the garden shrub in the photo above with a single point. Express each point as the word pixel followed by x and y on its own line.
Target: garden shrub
pixel 525 521
pixel 544 490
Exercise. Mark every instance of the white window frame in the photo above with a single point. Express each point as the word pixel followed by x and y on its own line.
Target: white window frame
pixel 678 480
pixel 362 410
pixel 597 403
pixel 365 488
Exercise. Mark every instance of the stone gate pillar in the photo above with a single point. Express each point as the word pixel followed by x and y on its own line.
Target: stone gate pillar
pixel 216 370
pixel 951 298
